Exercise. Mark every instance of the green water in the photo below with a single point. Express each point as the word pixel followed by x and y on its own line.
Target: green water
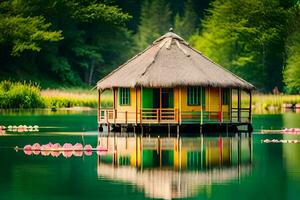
pixel 245 168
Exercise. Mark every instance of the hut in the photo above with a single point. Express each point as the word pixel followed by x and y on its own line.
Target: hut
pixel 170 84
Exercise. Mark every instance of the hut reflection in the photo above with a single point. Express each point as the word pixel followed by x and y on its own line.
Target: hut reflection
pixel 175 167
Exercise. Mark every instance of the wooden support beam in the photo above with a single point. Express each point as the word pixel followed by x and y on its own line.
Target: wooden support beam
pixel 250 107
pixel 239 105
pixel 99 105
pixel 160 101
pixel 201 102
pixel 136 106
pixel 114 105
pixel 230 104
pixel 220 106
pixel 209 103
pixel 141 107
pixel 180 103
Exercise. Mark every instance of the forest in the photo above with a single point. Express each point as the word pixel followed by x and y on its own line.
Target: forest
pixel 77 42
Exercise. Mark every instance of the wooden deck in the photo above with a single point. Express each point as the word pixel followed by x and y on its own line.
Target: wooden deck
pixel 172 116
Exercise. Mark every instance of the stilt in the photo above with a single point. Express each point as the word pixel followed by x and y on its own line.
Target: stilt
pixel 142 130
pixel 100 128
pixel 169 130
pixel 177 131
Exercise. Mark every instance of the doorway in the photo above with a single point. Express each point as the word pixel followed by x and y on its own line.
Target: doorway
pixel 153 96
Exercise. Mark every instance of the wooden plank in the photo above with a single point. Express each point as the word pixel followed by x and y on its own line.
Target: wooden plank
pixel 160 101
pixel 230 104
pixel 99 105
pixel 136 106
pixel 239 105
pixel 250 107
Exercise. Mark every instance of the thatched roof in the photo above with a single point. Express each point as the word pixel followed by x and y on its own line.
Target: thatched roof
pixel 170 62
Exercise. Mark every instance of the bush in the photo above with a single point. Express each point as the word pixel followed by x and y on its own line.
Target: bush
pixel 20 95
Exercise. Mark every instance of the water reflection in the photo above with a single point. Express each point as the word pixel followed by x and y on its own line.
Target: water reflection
pixel 175 167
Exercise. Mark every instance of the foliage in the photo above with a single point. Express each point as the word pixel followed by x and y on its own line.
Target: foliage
pixel 20 95
pixel 269 103
pixel 155 20
pixel 68 40
pixel 76 42
pixel 185 25
pixel 246 37
pixel 292 70
pixel 68 98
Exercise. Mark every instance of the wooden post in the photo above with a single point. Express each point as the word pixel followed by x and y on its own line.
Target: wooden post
pixel 230 103
pixel 141 107
pixel 160 103
pixel 220 105
pixel 114 106
pixel 250 107
pixel 201 102
pixel 179 117
pixel 136 106
pixel 239 105
pixel 99 106
pixel 209 103
pixel 177 113
pixel 126 116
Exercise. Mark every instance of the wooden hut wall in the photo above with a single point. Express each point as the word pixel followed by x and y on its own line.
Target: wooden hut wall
pixel 127 111
pixel 184 102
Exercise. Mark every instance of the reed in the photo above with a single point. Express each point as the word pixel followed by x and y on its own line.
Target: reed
pixel 263 103
pixel 71 98
pixel 20 95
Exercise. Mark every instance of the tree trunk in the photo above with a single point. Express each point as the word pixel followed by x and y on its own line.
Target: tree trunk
pixel 91 72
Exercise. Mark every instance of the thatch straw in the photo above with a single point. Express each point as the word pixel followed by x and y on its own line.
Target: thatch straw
pixel 171 62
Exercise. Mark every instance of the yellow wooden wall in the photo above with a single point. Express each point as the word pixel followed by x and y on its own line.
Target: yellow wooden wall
pixel 184 104
pixel 212 101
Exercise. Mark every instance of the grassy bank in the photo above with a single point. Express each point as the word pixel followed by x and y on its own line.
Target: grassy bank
pixel 263 103
pixel 30 95
pixel 20 95
pixel 67 99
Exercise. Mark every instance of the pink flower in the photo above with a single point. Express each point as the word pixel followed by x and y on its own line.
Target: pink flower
pixel 27 147
pixel 36 146
pixel 68 147
pixel 27 152
pixel 88 147
pixel 78 147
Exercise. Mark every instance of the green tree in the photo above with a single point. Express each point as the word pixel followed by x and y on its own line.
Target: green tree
pixel 19 33
pixel 185 25
pixel 94 38
pixel 247 37
pixel 155 20
pixel 292 69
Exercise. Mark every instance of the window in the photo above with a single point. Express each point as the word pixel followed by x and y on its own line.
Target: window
pixel 124 96
pixel 225 96
pixel 194 96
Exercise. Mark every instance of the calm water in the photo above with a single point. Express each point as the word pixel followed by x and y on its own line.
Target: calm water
pixel 148 168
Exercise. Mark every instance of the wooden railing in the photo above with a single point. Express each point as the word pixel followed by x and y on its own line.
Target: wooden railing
pixel 172 116
pixel 240 115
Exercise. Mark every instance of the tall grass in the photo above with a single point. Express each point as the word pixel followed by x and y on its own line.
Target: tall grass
pixel 66 99
pixel 29 95
pixel 75 98
pixel 20 95
pixel 263 103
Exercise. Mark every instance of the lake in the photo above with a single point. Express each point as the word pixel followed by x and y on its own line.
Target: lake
pixel 223 167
